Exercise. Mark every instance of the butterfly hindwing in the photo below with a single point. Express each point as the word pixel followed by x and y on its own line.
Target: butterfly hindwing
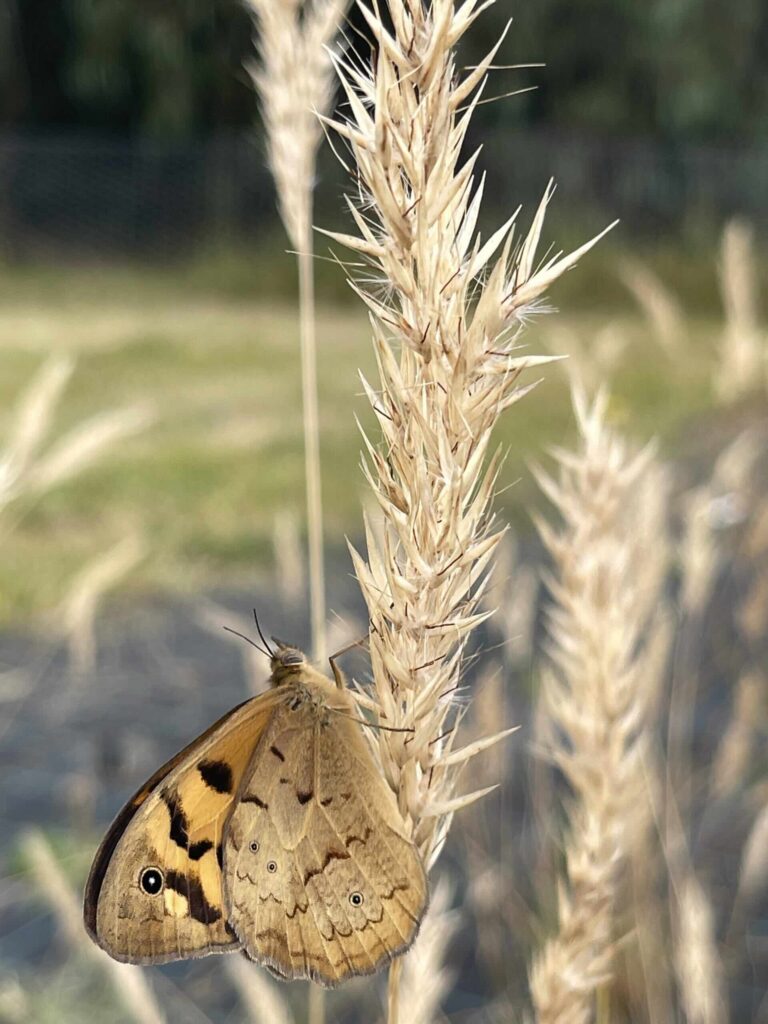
pixel 154 892
pixel 320 880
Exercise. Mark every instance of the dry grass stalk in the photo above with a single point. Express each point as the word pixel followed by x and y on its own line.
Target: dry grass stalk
pixel 661 308
pixel 511 595
pixel 15 1005
pixel 743 349
pixel 24 470
pixel 591 362
pixel 32 419
pixel 78 613
pixel 734 473
pixel 753 881
pixel 738 746
pixel 605 589
pixel 425 979
pixel 647 970
pixel 753 876
pixel 289 563
pixel 697 963
pixel 699 551
pixel 83 445
pixel 753 610
pixel 295 81
pixel 489 707
pixel 129 982
pixel 259 995
pixel 718 504
pixel 446 310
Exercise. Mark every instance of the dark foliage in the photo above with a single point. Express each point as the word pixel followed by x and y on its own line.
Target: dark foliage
pixel 692 71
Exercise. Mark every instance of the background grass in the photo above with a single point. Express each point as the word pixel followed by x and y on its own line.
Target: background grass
pixel 219 363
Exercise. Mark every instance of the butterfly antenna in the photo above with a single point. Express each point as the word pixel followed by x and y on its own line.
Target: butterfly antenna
pixel 248 641
pixel 271 653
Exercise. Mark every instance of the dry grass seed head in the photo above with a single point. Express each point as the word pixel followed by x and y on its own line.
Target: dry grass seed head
pixel 610 560
pixel 744 344
pixel 444 338
pixel 24 469
pixel 426 979
pixel 697 962
pixel 295 80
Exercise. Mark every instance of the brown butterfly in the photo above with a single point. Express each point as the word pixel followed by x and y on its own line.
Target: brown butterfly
pixel 273 833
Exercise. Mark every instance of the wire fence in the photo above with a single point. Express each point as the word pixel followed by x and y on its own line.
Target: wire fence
pixel 77 195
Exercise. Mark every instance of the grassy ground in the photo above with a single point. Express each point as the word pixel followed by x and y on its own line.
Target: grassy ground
pixel 220 368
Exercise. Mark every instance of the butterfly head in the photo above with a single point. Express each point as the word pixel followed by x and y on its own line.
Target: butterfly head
pixel 288 663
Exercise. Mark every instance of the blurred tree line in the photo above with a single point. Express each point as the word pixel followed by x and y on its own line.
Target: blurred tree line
pixel 693 70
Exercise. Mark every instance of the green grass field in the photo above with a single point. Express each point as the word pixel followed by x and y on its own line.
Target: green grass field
pixel 219 365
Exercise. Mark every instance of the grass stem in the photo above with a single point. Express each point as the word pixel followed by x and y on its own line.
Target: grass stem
pixel 315 1004
pixel 393 992
pixel 312 448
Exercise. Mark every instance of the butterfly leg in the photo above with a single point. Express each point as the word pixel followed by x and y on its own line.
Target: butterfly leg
pixel 338 675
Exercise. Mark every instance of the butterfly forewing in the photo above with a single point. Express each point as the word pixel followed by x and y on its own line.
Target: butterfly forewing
pixel 320 880
pixel 154 892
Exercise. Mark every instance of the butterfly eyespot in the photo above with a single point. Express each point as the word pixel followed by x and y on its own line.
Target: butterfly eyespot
pixel 151 881
pixel 254 846
pixel 356 899
pixel 271 867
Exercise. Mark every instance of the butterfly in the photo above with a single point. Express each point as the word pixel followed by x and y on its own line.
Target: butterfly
pixel 273 833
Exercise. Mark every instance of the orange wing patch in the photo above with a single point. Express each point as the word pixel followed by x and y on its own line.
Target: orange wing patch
pixel 155 892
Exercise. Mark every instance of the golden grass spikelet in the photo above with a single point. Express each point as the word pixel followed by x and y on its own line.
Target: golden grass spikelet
pixel 444 327
pixel 32 421
pixel 295 80
pixel 744 346
pixel 446 310
pixel 661 308
pixel 77 615
pixel 697 963
pixel 592 361
pixel 512 596
pixel 426 980
pixel 15 1005
pixel 753 876
pixel 737 749
pixel 699 552
pixel 610 559
pixel 444 330
pixel 25 470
